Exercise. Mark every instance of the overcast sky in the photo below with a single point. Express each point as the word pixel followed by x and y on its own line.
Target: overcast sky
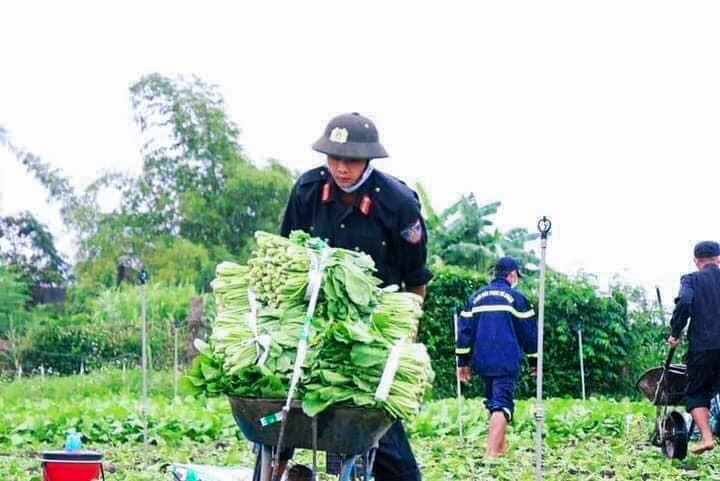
pixel 604 116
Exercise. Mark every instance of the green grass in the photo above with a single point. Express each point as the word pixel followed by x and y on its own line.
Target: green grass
pixel 594 440
pixel 100 383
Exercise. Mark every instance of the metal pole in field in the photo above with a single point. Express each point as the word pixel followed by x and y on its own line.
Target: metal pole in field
pixel 544 225
pixel 457 379
pixel 142 277
pixel 582 363
pixel 175 377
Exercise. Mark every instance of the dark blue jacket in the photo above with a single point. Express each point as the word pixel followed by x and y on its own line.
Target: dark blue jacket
pixel 699 300
pixel 495 328
pixel 384 222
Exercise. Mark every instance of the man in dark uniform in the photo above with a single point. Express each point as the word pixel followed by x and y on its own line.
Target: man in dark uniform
pixel 352 205
pixel 496 327
pixel 699 300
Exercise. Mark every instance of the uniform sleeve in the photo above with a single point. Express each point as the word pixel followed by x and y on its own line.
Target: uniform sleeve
pixel 525 322
pixel 683 307
pixel 466 335
pixel 411 239
pixel 292 217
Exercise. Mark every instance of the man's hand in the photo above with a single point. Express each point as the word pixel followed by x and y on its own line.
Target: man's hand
pixel 532 365
pixel 464 374
pixel 673 341
pixel 419 290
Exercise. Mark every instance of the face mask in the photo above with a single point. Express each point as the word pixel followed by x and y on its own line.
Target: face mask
pixel 368 171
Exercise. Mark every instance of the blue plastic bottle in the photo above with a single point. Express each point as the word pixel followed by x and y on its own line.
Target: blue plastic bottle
pixel 73 442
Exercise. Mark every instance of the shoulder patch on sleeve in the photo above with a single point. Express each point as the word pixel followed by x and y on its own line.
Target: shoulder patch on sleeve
pixel 413 233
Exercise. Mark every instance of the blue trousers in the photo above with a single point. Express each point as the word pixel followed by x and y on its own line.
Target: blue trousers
pixel 499 392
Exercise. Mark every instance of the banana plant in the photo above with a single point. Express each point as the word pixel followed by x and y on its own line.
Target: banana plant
pixel 464 235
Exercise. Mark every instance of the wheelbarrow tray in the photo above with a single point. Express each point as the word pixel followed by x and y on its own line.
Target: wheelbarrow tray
pixel 672 393
pixel 340 429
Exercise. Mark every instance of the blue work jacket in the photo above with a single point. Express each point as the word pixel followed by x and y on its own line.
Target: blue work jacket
pixel 699 301
pixel 496 327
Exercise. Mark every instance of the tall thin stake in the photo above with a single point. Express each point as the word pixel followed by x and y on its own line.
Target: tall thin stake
pixel 457 379
pixel 544 226
pixel 175 377
pixel 582 362
pixel 143 306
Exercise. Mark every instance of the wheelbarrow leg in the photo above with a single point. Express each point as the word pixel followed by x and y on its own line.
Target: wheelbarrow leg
pixel 347 468
pixel 266 460
pixel 258 463
pixel 314 441
pixel 369 458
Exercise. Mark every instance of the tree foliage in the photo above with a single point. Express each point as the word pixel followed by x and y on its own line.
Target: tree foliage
pixel 14 297
pixel 197 191
pixel 28 246
pixel 196 181
pixel 463 235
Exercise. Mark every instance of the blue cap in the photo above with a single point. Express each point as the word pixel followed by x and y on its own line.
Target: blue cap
pixel 505 265
pixel 707 249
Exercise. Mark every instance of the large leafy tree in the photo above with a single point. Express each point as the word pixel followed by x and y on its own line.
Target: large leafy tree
pixel 28 246
pixel 197 190
pixel 196 180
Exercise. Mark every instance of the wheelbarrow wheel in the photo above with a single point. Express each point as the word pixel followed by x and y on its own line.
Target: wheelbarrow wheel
pixel 674 436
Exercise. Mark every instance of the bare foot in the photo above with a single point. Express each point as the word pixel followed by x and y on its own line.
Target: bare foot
pixel 702 447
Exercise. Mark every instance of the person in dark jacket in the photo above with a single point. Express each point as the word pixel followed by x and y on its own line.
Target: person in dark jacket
pixel 353 205
pixel 496 327
pixel 699 301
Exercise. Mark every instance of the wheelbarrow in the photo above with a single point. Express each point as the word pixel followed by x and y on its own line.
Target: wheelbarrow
pixel 664 386
pixel 349 431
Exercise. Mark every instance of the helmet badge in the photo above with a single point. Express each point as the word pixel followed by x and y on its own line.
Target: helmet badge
pixel 339 135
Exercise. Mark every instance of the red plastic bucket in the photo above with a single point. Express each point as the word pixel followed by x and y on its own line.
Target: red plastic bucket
pixel 72 466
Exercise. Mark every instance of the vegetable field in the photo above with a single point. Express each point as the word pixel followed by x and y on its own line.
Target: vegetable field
pixel 594 440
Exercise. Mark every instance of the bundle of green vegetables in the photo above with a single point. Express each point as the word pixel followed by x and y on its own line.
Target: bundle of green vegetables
pixel 352 363
pixel 277 271
pixel 261 310
pixel 397 316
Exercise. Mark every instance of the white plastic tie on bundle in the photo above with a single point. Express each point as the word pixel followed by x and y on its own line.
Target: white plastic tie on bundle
pixel 263 343
pixel 251 316
pixel 388 376
pixel 315 274
pixel 262 348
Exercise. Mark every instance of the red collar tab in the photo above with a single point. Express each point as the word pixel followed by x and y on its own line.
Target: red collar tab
pixel 365 204
pixel 325 192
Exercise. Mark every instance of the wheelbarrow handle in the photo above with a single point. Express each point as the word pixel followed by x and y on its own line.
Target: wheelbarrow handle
pixel 669 358
pixel 665 369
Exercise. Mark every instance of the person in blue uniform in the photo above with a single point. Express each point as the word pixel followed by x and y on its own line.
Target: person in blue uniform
pixel 699 301
pixel 496 327
pixel 352 204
